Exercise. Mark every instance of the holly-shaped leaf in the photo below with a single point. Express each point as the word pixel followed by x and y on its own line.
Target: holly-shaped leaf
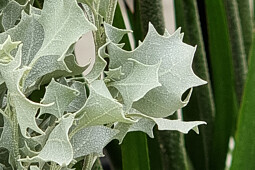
pixel 80 100
pixel 58 139
pixel 100 108
pixel 142 79
pixel 58 147
pixel 143 124
pixel 64 23
pixel 11 13
pixel 175 72
pixel 92 140
pixel 114 74
pixel 24 109
pixel 5 50
pixel 61 96
pixel 30 32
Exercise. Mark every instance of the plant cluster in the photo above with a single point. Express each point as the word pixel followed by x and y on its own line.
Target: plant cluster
pixel 51 115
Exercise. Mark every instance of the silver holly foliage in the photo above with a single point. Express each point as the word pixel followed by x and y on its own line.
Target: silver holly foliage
pixel 71 119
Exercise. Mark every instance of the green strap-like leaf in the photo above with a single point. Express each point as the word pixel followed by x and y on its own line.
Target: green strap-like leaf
pixel 237 45
pixel 133 155
pixel 201 105
pixel 244 9
pixel 245 138
pixel 223 81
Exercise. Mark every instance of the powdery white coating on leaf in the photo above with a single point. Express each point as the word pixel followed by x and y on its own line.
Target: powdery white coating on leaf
pixel 27 151
pixel 98 66
pixel 11 14
pixel 179 125
pixel 167 124
pixel 143 124
pixel 114 74
pixel 6 138
pixel 5 50
pixel 80 100
pixel 64 23
pixel 175 72
pixel 115 34
pixel 30 32
pixel 139 81
pixel 60 95
pixel 100 108
pixel 44 65
pixel 58 147
pixel 92 140
pixel 24 108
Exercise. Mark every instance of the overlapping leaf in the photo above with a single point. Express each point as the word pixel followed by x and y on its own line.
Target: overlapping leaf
pixel 146 123
pixel 100 108
pixel 24 108
pixel 137 84
pixel 63 23
pixel 30 32
pixel 11 13
pixel 92 140
pixel 44 40
pixel 80 100
pixel 5 50
pixel 175 72
pixel 61 96
pixel 6 139
pixel 58 147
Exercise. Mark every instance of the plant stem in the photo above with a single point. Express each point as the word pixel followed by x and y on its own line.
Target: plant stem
pixel 15 133
pixel 89 161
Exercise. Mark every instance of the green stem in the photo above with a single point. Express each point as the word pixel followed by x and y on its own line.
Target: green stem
pixel 89 160
pixel 15 132
pixel 97 165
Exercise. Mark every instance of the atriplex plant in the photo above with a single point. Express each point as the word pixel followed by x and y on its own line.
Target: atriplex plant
pixel 51 116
